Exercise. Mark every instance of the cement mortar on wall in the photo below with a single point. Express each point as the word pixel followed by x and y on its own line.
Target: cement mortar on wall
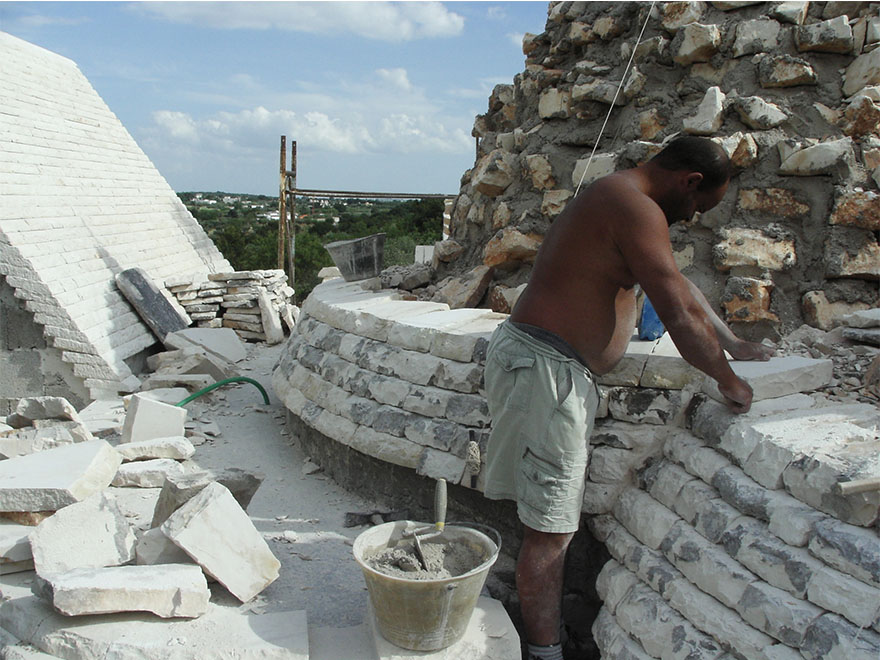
pixel 545 117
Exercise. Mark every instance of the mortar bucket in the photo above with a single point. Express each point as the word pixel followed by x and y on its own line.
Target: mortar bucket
pixel 358 258
pixel 424 615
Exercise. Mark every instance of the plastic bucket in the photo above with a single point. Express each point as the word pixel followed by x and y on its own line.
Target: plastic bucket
pixel 424 615
pixel 358 258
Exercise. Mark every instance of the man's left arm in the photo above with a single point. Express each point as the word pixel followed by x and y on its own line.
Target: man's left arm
pixel 738 348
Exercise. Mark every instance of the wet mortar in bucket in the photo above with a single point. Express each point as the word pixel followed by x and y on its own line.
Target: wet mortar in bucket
pixel 425 610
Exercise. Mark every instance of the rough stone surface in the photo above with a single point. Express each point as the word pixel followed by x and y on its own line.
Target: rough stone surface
pixel 170 590
pixel 241 562
pixel 147 419
pixel 89 534
pixel 52 479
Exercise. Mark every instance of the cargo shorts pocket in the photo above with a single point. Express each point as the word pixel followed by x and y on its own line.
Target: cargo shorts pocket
pixel 549 490
pixel 513 374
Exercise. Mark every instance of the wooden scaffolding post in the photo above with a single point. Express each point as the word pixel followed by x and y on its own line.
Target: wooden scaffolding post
pixel 291 229
pixel 281 202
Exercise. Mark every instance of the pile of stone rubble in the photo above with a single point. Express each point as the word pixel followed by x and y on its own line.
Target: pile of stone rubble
pixel 252 302
pixel 105 511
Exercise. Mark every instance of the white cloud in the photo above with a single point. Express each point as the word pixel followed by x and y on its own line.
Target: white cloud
pixel 385 21
pixel 37 20
pixel 397 77
pixel 178 125
pixel 516 38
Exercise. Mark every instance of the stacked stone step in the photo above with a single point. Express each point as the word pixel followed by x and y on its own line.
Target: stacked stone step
pixel 200 298
pixel 241 309
pixel 733 542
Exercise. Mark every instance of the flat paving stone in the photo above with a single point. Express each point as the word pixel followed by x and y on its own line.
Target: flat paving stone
pixel 52 479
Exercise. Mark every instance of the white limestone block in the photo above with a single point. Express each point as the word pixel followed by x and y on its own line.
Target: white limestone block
pixel 706 613
pixel 169 395
pixel 756 36
pixel 793 11
pixel 104 417
pixel 215 531
pixel 270 318
pixel 853 599
pixel 819 159
pixel 57 477
pixel 698 43
pixel 89 534
pixel 666 369
pixel 644 517
pixel 147 419
pixel 146 474
pixel 271 635
pixel 690 497
pixel 601 165
pixel 706 565
pixel 154 547
pixel 441 465
pixel 778 376
pixel 667 485
pixel 417 332
pixel 628 372
pixel 177 447
pixel 758 113
pixel 709 115
pixel 777 612
pixel 868 318
pixel 613 583
pixel 386 447
pixel 30 409
pixel 166 590
pixel 790 520
pixel 222 342
pixel 14 544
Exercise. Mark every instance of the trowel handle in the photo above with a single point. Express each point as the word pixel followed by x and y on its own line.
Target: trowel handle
pixel 440 504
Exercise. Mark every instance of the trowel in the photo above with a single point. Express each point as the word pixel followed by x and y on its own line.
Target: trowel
pixel 439 522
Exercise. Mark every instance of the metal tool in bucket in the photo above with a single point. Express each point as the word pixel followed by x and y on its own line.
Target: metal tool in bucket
pixel 425 533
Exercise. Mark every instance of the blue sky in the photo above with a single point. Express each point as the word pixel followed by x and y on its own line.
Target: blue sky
pixel 380 96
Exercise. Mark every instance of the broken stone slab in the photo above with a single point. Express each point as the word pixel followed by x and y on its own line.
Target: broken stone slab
pixel 166 590
pixel 862 72
pixel 778 376
pixel 55 478
pixel 215 531
pixel 866 336
pixel 869 318
pixel 104 418
pixel 188 382
pixel 153 547
pixel 221 342
pixel 30 409
pixel 146 474
pixel 757 113
pixel 136 504
pixel 270 318
pixel 272 635
pixel 666 369
pixel 169 395
pixel 177 448
pixel 14 543
pixel 89 534
pixel 190 361
pixel 154 308
pixel 179 489
pixel 147 419
pixel 833 157
pixel 709 115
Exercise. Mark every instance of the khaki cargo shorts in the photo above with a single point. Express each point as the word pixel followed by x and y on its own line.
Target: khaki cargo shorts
pixel 543 405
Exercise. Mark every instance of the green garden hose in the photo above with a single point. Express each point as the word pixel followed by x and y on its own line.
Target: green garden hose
pixel 234 379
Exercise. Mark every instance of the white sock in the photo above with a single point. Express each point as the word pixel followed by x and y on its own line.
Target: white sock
pixel 551 652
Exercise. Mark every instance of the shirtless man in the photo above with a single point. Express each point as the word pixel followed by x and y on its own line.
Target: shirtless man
pixel 573 322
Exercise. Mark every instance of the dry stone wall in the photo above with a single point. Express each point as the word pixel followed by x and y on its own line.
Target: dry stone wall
pixel 728 536
pixel 792 92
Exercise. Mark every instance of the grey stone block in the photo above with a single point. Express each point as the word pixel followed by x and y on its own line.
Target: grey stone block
pixel 777 613
pixel 177 490
pixel 851 550
pixel 832 637
pixel 642 405
pixel 713 517
pixel 741 492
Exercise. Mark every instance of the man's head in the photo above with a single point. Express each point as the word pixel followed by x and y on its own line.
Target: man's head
pixel 703 170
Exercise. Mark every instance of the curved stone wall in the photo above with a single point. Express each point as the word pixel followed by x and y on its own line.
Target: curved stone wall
pixel 727 535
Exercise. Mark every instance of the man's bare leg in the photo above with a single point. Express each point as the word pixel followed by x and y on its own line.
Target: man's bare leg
pixel 540 569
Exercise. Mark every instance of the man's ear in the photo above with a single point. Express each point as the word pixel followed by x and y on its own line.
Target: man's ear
pixel 693 180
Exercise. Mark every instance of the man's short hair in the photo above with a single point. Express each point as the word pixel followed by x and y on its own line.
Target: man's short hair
pixel 696 154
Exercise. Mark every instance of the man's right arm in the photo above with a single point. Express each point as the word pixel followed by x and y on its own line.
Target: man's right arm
pixel 643 240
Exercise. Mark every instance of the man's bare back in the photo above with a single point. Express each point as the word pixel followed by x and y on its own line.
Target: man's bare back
pixel 581 287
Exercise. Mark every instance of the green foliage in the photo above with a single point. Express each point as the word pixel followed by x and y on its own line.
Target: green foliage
pixel 239 229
